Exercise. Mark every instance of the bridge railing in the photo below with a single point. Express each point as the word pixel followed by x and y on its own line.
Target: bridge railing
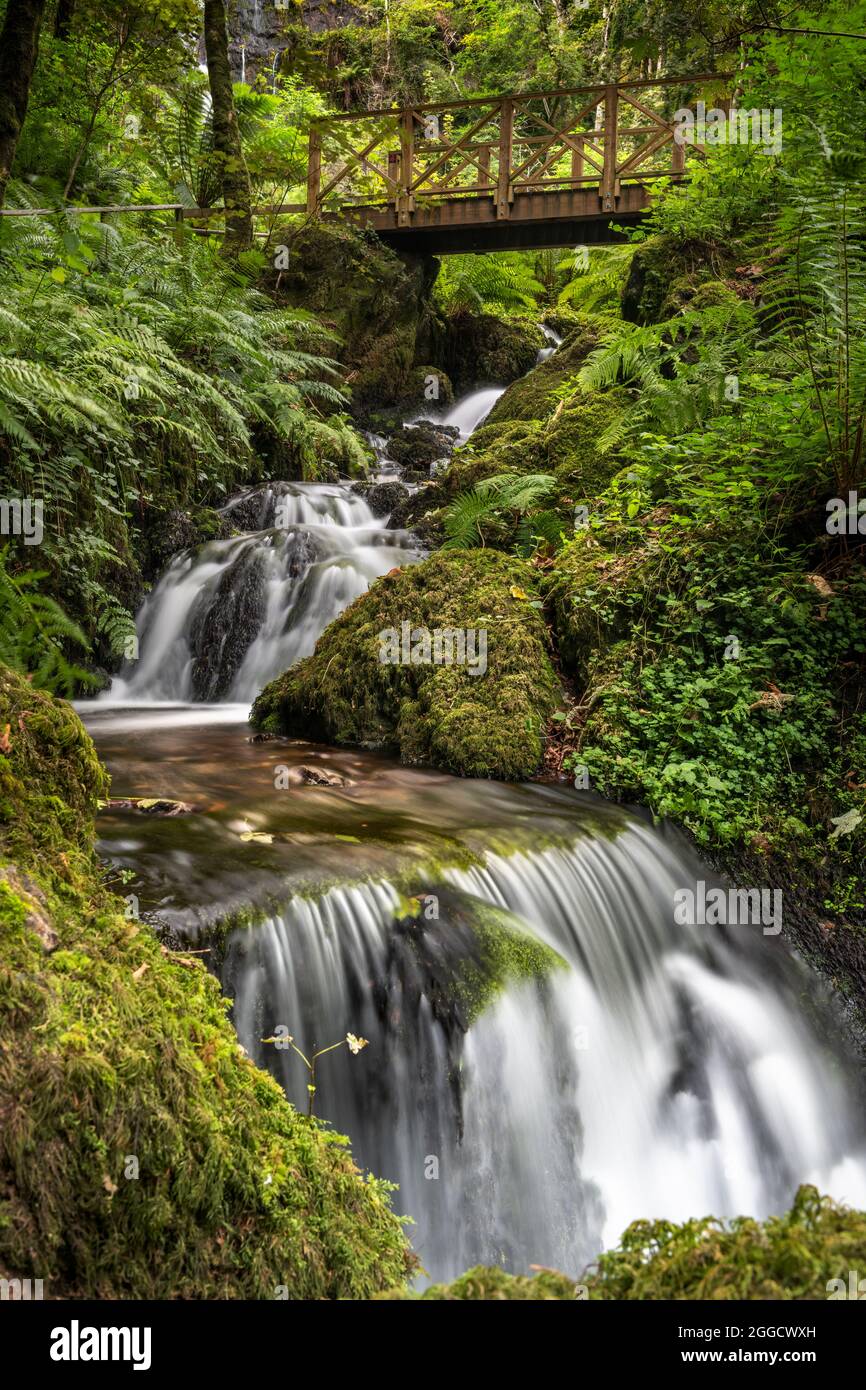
pixel 499 147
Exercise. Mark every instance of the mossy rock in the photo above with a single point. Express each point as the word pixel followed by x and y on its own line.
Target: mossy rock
pixel 490 724
pixel 532 397
pixel 663 277
pixel 480 349
pixel 142 1154
pixel 792 1257
pixel 566 445
pixel 378 303
pixel 595 593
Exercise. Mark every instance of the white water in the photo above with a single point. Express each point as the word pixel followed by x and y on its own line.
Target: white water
pixel 470 412
pixel 226 619
pixel 554 340
pixel 667 1072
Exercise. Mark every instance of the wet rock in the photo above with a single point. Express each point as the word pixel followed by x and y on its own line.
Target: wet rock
pixel 417 446
pixel 147 805
pixel 382 498
pixel 167 533
pixel 417 512
pixel 322 777
pixel 225 623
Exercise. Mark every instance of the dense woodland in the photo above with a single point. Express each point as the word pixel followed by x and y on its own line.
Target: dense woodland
pixel 696 646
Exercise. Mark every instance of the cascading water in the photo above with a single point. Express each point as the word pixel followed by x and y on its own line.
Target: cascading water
pixel 649 1070
pixel 228 618
pixel 661 1072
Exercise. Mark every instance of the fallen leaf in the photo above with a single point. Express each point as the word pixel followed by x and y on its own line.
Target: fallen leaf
pixel 140 973
pixel 260 837
pixel 517 592
pixel 5 745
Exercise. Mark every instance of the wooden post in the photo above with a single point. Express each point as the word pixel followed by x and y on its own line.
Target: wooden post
pixel 314 171
pixel 608 188
pixel 484 167
pixel 504 193
pixel 577 160
pixel 406 202
pixel 678 159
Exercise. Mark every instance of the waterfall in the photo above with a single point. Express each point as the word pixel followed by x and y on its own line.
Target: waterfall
pixel 227 618
pixel 554 340
pixel 653 1070
pixel 666 1071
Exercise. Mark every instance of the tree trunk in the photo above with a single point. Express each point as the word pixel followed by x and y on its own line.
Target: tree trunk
pixel 226 136
pixel 63 17
pixel 19 46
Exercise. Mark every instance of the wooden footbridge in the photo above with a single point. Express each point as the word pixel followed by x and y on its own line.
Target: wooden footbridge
pixel 527 169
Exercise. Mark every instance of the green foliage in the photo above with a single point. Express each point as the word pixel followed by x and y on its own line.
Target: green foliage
pixel 789 1257
pixel 136 372
pixel 467 519
pixel 479 284
pixel 35 633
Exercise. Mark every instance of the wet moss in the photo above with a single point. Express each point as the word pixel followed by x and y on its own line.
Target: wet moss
pixel 789 1257
pixel 490 1284
pixel 142 1154
pixel 533 396
pixel 505 955
pixel 491 724
pixel 565 443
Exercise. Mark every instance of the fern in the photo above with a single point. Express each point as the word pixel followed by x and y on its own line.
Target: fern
pixel 35 633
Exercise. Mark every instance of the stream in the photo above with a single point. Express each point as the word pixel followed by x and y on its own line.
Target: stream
pixel 656 1070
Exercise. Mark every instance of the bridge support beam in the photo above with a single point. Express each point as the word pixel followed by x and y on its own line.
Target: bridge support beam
pixel 504 192
pixel 608 188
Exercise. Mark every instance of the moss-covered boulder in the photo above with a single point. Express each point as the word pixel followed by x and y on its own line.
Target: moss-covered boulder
pixel 377 302
pixel 142 1154
pixel 664 277
pixel 377 677
pixel 477 349
pixel 567 444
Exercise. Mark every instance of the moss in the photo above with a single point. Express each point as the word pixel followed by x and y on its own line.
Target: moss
pixel 663 277
pixel 486 1283
pixel 142 1154
pixel 793 1257
pixel 477 349
pixel 377 302
pixel 789 1257
pixel 565 444
pixel 533 396
pixel 506 955
pixel 483 725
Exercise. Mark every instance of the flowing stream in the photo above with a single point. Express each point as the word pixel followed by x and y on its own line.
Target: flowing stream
pixel 644 1069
